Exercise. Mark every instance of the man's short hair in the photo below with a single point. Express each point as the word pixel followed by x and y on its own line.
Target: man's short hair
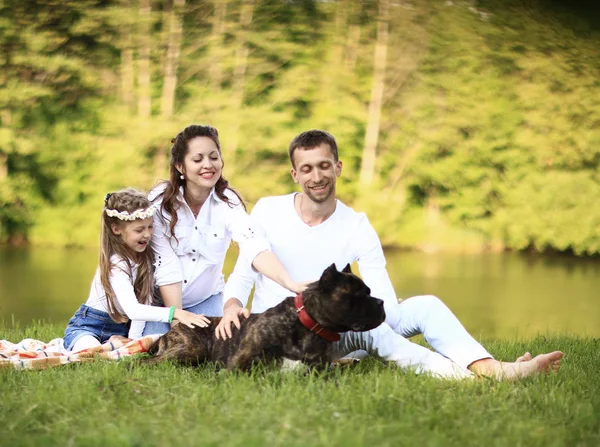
pixel 312 139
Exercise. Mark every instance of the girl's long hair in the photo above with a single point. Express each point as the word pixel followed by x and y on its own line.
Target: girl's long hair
pixel 111 244
pixel 170 199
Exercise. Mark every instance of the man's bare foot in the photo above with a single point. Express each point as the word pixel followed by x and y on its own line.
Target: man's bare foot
pixel 524 358
pixel 542 363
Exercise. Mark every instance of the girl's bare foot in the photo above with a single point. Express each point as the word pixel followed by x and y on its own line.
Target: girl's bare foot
pixel 118 338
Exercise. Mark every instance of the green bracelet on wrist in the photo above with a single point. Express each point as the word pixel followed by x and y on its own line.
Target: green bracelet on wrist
pixel 171 313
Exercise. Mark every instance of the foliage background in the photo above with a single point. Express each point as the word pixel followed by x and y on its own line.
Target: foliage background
pixel 481 118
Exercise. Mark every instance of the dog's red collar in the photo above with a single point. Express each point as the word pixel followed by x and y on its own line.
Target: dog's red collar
pixel 311 324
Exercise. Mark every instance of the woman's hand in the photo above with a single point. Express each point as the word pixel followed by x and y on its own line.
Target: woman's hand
pixel 231 314
pixel 190 319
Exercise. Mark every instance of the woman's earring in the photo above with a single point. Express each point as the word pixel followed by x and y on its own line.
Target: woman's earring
pixel 181 176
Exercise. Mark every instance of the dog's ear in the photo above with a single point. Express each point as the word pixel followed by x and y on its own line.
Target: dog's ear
pixel 327 280
pixel 347 269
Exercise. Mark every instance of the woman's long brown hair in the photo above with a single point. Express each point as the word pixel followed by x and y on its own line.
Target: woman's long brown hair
pixel 170 195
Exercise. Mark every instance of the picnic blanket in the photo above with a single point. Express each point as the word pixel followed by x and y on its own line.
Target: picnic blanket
pixel 36 354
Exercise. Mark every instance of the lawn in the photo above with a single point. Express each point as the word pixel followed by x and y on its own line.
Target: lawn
pixel 127 404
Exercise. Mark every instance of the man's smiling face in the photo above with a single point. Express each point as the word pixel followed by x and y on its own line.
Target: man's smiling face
pixel 316 172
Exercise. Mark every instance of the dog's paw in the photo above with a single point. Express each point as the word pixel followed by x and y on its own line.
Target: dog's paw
pixel 343 363
pixel 293 366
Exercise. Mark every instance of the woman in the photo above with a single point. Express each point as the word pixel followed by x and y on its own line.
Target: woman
pixel 198 216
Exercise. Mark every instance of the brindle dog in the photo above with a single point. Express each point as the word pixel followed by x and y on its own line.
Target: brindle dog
pixel 338 302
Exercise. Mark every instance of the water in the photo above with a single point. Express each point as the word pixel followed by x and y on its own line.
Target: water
pixel 494 295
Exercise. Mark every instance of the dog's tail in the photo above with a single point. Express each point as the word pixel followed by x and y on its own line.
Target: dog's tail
pixel 155 357
pixel 153 350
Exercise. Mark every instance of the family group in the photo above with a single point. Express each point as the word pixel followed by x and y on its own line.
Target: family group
pixel 162 254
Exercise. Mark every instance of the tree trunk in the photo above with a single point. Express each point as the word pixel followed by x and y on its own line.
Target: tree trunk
pixel 352 36
pixel 144 101
pixel 239 72
pixel 126 69
pixel 3 166
pixel 170 82
pixel 352 47
pixel 330 77
pixel 216 44
pixel 367 168
pixel 127 83
pixel 341 19
pixel 6 117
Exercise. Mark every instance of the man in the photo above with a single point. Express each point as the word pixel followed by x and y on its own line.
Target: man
pixel 310 230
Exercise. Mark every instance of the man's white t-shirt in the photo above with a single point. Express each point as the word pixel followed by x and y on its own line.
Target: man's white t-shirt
pixel 305 251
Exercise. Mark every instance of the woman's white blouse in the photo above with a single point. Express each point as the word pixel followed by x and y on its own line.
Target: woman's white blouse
pixel 195 257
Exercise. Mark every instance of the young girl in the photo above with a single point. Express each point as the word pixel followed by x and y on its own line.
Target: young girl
pixel 124 281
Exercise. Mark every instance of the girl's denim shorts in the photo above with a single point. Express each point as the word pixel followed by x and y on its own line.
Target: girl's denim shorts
pixel 90 321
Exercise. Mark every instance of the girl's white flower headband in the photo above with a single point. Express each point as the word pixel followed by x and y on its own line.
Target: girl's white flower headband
pixel 137 214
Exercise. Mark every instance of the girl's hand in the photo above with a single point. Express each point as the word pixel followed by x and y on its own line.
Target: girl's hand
pixel 190 319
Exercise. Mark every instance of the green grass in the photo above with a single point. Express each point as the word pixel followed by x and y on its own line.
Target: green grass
pixel 124 403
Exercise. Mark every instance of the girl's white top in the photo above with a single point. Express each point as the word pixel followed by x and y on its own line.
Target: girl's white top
pixel 126 301
pixel 196 255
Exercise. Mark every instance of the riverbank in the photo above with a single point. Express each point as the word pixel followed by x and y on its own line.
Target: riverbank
pixel 123 404
pixel 495 295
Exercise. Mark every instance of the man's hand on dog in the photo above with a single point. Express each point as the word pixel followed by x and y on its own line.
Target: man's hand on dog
pixel 298 287
pixel 231 314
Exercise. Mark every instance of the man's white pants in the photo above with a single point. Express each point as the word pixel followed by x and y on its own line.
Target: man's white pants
pixel 455 348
